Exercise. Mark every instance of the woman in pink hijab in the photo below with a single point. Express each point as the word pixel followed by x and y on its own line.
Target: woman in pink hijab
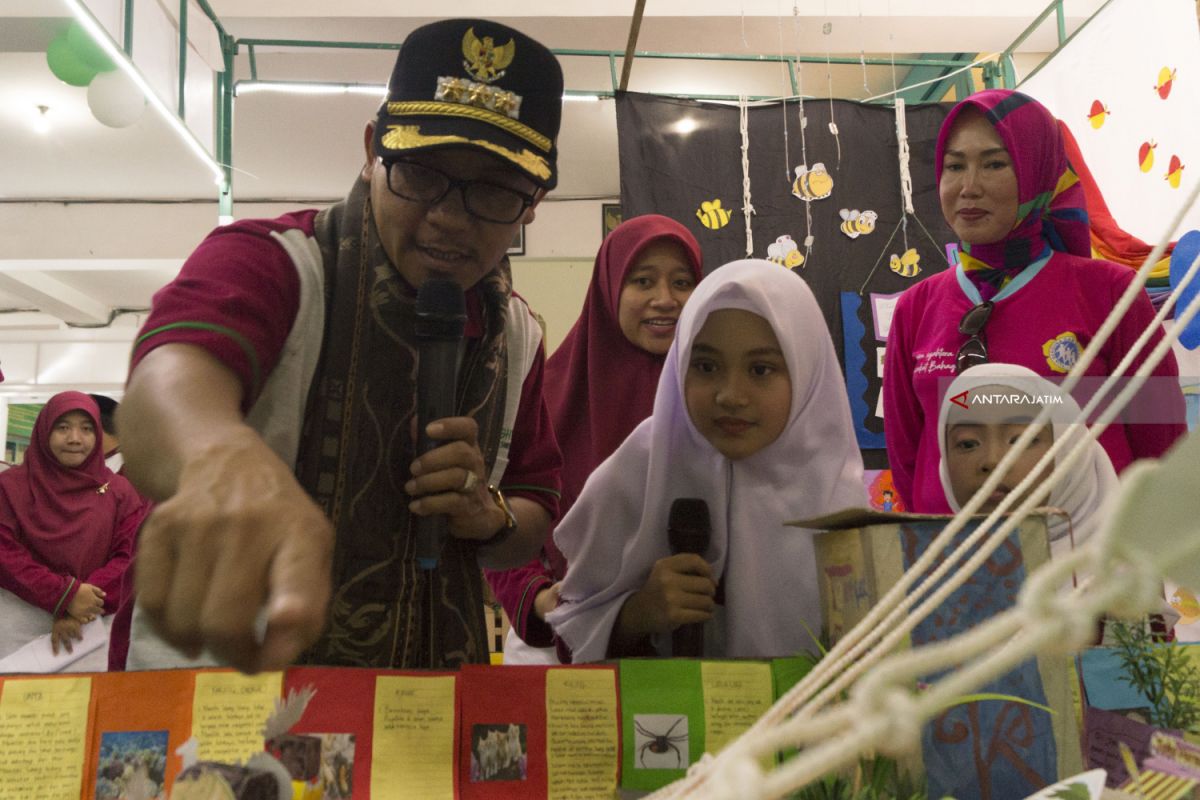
pixel 1026 291
pixel 67 531
pixel 599 385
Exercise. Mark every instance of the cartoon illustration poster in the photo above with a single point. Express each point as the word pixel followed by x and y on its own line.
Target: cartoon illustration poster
pixel 1127 85
pixel 881 491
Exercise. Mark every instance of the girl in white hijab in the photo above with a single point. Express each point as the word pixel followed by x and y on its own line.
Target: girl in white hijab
pixel 750 415
pixel 974 439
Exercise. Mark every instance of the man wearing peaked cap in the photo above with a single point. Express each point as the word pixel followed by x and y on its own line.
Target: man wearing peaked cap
pixel 271 401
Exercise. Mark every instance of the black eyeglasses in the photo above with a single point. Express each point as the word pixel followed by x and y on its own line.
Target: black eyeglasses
pixel 974 350
pixel 488 201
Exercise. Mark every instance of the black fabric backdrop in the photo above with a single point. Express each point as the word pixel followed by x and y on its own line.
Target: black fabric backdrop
pixel 666 172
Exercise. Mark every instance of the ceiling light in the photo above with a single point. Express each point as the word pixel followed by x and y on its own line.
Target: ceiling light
pixel 321 88
pixel 686 125
pixel 41 123
pixel 301 87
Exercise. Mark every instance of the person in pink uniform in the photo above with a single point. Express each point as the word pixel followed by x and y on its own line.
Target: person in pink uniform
pixel 599 385
pixel 1026 292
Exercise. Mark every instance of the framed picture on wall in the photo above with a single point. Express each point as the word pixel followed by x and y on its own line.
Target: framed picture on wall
pixel 517 246
pixel 610 217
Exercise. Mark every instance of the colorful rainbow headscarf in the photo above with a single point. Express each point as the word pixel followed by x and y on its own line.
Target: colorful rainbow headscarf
pixel 1051 211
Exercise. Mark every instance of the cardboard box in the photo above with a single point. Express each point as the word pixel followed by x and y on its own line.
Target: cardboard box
pixel 993 748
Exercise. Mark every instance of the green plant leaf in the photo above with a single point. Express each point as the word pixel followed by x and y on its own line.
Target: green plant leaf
pixel 1012 698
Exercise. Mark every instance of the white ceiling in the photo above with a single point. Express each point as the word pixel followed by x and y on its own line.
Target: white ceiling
pixel 293 148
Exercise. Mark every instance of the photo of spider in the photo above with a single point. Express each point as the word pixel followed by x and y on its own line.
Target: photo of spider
pixel 661 741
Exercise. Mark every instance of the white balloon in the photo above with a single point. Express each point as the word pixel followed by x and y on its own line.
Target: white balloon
pixel 115 99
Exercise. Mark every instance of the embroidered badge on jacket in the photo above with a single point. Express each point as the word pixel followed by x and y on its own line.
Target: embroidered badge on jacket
pixel 1062 352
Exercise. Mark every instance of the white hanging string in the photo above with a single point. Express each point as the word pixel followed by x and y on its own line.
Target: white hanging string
pixel 833 128
pixel 826 30
pixel 905 175
pixel 862 55
pixel 808 234
pixel 787 82
pixel 747 207
pixel 906 206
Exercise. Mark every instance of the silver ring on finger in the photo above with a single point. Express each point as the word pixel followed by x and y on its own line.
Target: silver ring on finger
pixel 469 482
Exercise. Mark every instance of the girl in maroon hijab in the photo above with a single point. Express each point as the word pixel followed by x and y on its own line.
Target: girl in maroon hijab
pixel 67 530
pixel 600 384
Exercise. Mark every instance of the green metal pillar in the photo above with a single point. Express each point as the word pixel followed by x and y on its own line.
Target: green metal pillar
pixel 225 125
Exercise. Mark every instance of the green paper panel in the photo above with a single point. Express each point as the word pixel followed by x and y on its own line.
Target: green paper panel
pixel 655 693
pixel 787 672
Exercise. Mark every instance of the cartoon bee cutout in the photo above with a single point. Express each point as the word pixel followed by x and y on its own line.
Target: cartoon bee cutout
pixel 785 252
pixel 712 216
pixel 857 223
pixel 907 264
pixel 812 184
pixel 486 61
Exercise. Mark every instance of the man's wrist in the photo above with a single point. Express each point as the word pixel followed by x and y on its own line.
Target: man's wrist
pixel 508 521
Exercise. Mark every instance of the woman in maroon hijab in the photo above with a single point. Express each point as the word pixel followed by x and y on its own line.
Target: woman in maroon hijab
pixel 600 384
pixel 67 530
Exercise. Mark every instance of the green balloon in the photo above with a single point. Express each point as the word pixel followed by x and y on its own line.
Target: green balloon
pixel 66 65
pixel 87 49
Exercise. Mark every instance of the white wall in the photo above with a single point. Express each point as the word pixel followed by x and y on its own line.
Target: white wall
pixel 555 290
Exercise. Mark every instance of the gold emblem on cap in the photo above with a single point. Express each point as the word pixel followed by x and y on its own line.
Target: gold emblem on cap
pixel 484 60
pixel 407 137
pixel 461 90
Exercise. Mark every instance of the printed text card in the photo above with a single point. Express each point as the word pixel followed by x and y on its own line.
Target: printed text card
pixel 43 734
pixel 581 740
pixel 414 738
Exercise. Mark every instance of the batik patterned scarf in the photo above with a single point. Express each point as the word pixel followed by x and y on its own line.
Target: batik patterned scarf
pixel 1051 214
pixel 356 450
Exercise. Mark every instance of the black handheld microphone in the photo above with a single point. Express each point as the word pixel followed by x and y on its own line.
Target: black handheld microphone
pixel 688 531
pixel 441 319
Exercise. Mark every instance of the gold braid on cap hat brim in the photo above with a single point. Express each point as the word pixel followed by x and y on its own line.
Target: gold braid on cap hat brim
pixel 436 109
pixel 408 137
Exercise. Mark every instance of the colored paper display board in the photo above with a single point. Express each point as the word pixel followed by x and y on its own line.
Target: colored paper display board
pixel 556 732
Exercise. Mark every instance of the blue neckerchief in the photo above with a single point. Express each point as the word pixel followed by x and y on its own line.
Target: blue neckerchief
pixel 1022 278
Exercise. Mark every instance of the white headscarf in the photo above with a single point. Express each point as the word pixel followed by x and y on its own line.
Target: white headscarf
pixel 618 527
pixel 1081 492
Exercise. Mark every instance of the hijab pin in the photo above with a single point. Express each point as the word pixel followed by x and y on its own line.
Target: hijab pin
pixel 102 489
